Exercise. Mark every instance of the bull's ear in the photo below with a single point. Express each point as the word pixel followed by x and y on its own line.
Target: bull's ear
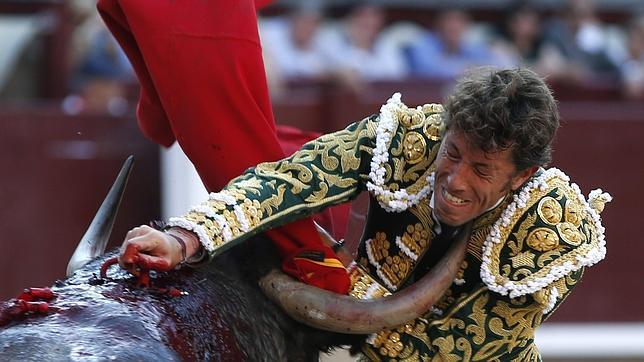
pixel 97 235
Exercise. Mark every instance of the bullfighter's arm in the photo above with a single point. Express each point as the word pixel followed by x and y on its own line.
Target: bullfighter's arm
pixel 327 171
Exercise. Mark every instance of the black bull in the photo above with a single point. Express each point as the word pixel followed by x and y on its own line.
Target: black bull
pixel 221 314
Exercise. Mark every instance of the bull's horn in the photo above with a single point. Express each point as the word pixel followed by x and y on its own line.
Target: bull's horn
pixel 343 314
pixel 97 235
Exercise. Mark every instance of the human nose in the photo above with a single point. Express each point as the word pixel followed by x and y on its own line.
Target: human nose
pixel 457 177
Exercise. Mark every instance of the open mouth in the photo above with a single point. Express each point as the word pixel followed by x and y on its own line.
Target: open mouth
pixel 451 198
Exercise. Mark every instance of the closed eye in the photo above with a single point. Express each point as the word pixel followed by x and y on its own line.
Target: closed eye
pixel 481 172
pixel 452 153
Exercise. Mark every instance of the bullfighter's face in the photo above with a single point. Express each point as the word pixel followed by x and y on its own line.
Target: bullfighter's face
pixel 470 181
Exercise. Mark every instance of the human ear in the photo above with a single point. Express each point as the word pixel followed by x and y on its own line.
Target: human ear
pixel 522 176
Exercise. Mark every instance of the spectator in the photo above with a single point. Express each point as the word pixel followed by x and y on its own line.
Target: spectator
pixel 580 37
pixel 102 74
pixel 521 42
pixel 104 59
pixel 447 53
pixel 358 51
pixel 632 65
pixel 292 44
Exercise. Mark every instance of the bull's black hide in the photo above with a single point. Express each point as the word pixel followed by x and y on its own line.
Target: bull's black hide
pixel 224 317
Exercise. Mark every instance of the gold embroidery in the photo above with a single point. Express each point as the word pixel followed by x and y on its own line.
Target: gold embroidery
pixel 397 147
pixel 217 240
pixel 530 354
pixel 421 182
pixel 363 286
pixel 274 201
pixel 542 296
pixel 479 317
pixel 409 354
pixel 570 233
pixel 415 147
pixel 425 166
pixel 432 108
pixel 545 258
pixel 445 347
pixel 411 154
pixel 550 211
pixel 251 211
pixel 481 326
pixel 574 213
pixel 396 268
pixel 418 330
pixel 213 229
pixel 423 212
pixel 216 205
pixel 433 131
pixel 334 180
pixel 416 238
pixel 320 194
pixel 461 271
pixel 339 145
pixel 196 217
pixel 542 239
pixel 516 245
pixel 240 189
pixel 213 233
pixel 411 117
pixel 388 174
pixel 564 289
pixel 399 166
pixel 475 246
pixel 236 192
pixel 233 223
pixel 564 285
pixel 523 259
pixel 462 344
pixel 284 171
pixel 380 246
pixel 388 343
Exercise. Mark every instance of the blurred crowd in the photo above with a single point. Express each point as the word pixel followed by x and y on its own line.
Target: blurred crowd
pixel 362 46
pixel 358 44
pixel 101 74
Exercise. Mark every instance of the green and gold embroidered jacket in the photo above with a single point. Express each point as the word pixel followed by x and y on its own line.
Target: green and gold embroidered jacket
pixel 524 257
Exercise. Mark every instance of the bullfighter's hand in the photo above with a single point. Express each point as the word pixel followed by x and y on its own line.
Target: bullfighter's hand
pixel 146 248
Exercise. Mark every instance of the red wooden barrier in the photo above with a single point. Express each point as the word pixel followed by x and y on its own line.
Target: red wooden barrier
pixel 56 171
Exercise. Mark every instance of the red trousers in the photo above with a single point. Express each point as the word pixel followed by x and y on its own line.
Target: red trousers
pixel 203 84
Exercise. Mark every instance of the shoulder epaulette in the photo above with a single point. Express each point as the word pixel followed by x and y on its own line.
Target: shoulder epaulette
pixel 407 142
pixel 547 232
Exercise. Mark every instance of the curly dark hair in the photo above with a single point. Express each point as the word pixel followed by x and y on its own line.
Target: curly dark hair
pixel 505 109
